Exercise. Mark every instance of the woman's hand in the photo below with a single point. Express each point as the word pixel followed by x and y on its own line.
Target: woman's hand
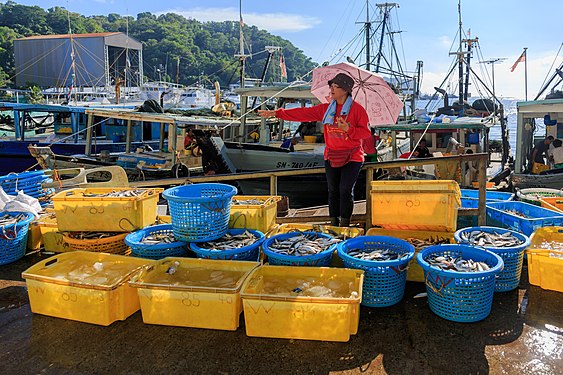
pixel 342 124
pixel 266 113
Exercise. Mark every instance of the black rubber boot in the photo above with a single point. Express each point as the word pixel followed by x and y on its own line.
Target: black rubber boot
pixel 334 221
pixel 344 222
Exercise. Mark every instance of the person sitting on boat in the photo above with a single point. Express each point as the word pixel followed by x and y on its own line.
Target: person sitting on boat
pixel 189 140
pixel 557 154
pixel 345 125
pixel 423 151
pixel 539 151
pixel 289 143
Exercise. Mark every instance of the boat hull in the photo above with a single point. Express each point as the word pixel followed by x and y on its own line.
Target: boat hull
pixel 16 156
pixel 523 181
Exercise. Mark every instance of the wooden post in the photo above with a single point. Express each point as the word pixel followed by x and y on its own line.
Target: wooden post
pixel 394 144
pixel 172 128
pixel 242 129
pixel 128 137
pixel 482 192
pixel 89 123
pixel 161 139
pixel 273 185
pixel 17 123
pixel 369 179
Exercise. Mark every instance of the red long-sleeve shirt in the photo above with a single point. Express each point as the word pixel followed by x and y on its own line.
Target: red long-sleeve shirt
pixel 335 138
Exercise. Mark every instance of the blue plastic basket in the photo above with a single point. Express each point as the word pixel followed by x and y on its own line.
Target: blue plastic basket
pixel 512 257
pixel 13 238
pixel 250 252
pixel 384 281
pixel 321 259
pixel 200 212
pixel 460 296
pixel 470 198
pixel 154 251
pixel 537 217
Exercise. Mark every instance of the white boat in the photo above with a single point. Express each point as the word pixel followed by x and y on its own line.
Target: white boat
pixel 196 97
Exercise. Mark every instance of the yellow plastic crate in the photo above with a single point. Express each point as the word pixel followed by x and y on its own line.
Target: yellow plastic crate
pixel 53 240
pixel 415 205
pixel 545 266
pixel 300 317
pixel 79 213
pixel 552 203
pixel 55 287
pixel 260 217
pixel 34 240
pixel 415 272
pixel 190 297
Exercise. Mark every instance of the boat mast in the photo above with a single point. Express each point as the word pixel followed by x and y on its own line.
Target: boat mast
pixel 242 57
pixel 368 29
pixel 72 61
pixel 460 56
pixel 386 8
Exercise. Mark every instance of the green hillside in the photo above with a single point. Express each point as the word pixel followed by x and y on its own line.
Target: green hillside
pixel 202 47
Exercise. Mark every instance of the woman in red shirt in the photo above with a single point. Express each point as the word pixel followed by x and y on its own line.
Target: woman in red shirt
pixel 345 126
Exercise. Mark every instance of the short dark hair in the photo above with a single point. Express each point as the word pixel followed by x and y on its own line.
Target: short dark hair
pixel 557 143
pixel 550 138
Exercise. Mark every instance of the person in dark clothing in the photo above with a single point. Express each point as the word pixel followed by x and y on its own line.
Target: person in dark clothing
pixel 423 151
pixel 540 151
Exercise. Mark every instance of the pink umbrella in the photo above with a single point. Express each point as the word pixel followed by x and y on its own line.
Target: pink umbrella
pixel 370 90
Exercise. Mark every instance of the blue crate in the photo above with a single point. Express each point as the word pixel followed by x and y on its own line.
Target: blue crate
pixel 250 252
pixel 470 197
pixel 13 238
pixel 460 296
pixel 384 281
pixel 509 277
pixel 321 259
pixel 155 251
pixel 537 217
pixel 200 212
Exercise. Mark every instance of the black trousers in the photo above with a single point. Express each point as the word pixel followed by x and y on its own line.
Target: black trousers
pixel 341 182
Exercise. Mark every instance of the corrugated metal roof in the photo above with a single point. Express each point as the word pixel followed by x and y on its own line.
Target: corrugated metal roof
pixel 66 36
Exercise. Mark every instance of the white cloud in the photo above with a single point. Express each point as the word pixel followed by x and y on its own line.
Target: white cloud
pixel 284 22
pixel 445 41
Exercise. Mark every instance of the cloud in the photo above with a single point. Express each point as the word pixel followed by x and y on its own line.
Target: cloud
pixel 445 41
pixel 278 22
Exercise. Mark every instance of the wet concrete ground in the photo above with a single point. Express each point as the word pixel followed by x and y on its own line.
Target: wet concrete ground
pixel 523 335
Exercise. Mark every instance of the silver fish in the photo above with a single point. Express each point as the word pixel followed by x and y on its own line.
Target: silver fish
pixel 9 219
pixel 420 244
pixel 377 255
pixel 495 239
pixel 228 242
pixel 247 202
pixel 447 262
pixel 159 238
pixel 302 244
pixel 91 235
pixel 119 193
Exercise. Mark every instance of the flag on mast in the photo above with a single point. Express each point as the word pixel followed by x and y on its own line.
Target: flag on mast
pixel 283 67
pixel 522 58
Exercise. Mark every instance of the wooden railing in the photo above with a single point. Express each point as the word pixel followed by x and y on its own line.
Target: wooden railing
pixel 370 168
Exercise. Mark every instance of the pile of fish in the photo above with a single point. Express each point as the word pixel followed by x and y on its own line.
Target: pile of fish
pixel 302 245
pixel 487 239
pixel 118 194
pixel 6 219
pixel 229 242
pixel 420 244
pixel 247 202
pixel 377 255
pixel 92 235
pixel 449 263
pixel 159 238
pixel 517 213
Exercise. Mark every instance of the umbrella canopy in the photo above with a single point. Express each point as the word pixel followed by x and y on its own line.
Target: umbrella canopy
pixel 370 90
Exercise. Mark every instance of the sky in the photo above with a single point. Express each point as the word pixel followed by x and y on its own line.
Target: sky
pixel 429 30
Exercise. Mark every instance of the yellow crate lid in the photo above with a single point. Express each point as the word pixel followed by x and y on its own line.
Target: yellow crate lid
pixel 85 269
pixel 415 185
pixel 253 288
pixel 264 200
pixel 78 194
pixel 191 274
